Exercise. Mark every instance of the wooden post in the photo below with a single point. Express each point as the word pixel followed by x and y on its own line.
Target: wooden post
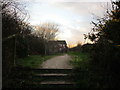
pixel 14 51
pixel 44 47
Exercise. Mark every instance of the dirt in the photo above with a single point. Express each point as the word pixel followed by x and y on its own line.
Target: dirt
pixel 58 62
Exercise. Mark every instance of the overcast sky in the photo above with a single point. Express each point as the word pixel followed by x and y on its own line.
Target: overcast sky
pixel 73 16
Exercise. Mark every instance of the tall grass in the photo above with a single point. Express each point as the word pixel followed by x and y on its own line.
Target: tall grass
pixel 80 60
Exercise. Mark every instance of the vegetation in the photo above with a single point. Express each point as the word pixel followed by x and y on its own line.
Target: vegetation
pixel 17 78
pixel 80 60
pixel 36 45
pixel 102 69
pixel 13 25
pixel 40 36
pixel 22 75
pixel 97 66
pixel 105 58
pixel 33 61
pixel 46 31
pixel 18 42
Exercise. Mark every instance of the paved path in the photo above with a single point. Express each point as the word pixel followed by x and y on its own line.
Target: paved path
pixel 58 62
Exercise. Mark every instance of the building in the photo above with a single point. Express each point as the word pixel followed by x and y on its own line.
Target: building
pixel 58 46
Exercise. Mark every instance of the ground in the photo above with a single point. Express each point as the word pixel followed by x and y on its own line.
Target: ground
pixel 58 62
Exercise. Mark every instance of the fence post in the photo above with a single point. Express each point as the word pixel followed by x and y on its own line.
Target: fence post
pixel 14 51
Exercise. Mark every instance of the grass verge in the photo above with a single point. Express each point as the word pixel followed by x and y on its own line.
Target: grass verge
pixel 80 61
pixel 34 61
pixel 21 76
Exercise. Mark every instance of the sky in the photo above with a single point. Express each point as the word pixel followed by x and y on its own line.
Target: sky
pixel 74 17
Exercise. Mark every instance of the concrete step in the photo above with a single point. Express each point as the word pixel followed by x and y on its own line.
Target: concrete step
pixel 44 70
pixel 51 84
pixel 57 82
pixel 54 77
pixel 57 86
pixel 51 74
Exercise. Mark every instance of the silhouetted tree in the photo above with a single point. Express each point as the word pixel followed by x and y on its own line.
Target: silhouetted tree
pixel 108 27
pixel 12 19
pixel 13 26
pixel 105 54
pixel 46 31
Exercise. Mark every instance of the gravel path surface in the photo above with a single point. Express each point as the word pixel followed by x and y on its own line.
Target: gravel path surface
pixel 58 62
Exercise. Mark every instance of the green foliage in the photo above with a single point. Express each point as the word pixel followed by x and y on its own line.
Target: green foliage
pixel 105 62
pixel 21 47
pixel 107 27
pixel 105 59
pixel 13 19
pixel 112 30
pixel 36 45
pixel 17 78
pixel 21 76
pixel 12 25
pixel 87 48
pixel 80 60
pixel 32 61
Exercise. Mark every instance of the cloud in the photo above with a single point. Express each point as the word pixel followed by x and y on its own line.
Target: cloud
pixel 68 0
pixel 85 8
pixel 74 17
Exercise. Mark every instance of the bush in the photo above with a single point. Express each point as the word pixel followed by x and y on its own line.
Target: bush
pixel 105 64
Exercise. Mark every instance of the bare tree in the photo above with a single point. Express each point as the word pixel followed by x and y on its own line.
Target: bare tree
pixel 13 18
pixel 47 31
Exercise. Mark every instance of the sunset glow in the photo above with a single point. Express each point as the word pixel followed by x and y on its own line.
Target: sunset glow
pixel 74 18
